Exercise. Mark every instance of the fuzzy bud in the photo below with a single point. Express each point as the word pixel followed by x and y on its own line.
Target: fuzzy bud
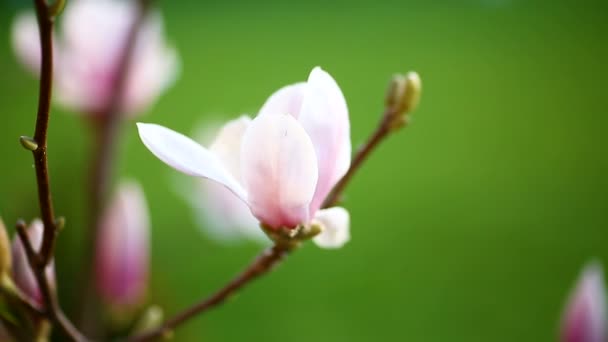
pixel 584 318
pixel 122 249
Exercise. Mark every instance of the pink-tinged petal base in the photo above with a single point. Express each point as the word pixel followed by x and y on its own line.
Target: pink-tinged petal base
pixel 279 170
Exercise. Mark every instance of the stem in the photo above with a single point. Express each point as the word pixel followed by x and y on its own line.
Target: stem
pixel 39 261
pixel 261 265
pixel 103 158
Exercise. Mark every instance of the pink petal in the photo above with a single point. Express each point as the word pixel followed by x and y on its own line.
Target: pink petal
pixel 22 272
pixel 324 116
pixel 122 251
pixel 154 68
pixel 585 315
pixel 187 156
pixel 287 100
pixel 336 227
pixel 26 41
pixel 279 170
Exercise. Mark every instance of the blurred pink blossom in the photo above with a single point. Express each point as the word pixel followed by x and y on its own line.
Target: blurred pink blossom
pixel 283 163
pixel 22 273
pixel 585 314
pixel 92 39
pixel 122 250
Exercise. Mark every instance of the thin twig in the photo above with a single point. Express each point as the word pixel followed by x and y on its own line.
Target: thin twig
pixel 39 261
pixel 106 126
pixel 261 265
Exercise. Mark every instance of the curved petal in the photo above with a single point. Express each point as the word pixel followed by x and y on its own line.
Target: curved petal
pixel 187 156
pixel 287 100
pixel 336 227
pixel 324 116
pixel 26 41
pixel 279 170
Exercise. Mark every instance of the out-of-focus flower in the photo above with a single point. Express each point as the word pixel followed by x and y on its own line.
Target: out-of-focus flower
pixel 282 164
pixel 87 54
pixel 584 318
pixel 5 251
pixel 122 250
pixel 22 273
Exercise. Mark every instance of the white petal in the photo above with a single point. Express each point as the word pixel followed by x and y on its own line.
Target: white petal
pixel 26 40
pixel 287 100
pixel 187 156
pixel 325 117
pixel 279 170
pixel 336 227
pixel 227 144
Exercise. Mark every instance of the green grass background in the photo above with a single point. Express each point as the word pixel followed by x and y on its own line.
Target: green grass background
pixel 470 225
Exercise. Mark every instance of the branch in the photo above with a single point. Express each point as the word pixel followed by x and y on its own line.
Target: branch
pixel 261 265
pixel 39 261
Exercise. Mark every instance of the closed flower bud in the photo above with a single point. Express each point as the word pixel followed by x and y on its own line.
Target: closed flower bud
pixel 5 251
pixel 22 272
pixel 122 249
pixel 584 318
pixel 403 93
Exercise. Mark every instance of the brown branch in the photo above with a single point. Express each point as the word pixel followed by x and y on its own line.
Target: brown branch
pixel 39 261
pixel 106 127
pixel 261 265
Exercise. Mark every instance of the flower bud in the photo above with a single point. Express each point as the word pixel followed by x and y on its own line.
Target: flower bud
pixel 5 251
pixel 22 272
pixel 122 249
pixel 584 318
pixel 403 93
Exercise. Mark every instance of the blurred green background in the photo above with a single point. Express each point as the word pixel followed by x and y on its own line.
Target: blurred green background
pixel 470 225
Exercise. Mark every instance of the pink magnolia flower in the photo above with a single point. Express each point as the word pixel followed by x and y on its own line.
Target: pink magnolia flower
pixel 585 315
pixel 22 272
pixel 87 53
pixel 283 163
pixel 122 251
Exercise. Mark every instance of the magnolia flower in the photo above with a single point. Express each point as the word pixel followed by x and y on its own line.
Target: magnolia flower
pixel 22 272
pixel 585 315
pixel 88 52
pixel 122 251
pixel 283 163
